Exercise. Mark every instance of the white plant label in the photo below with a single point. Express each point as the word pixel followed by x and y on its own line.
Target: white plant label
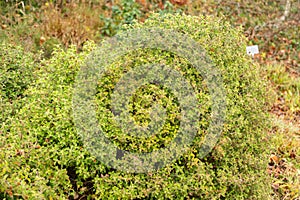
pixel 252 50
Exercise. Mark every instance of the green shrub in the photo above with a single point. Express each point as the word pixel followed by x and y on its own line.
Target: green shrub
pixel 126 13
pixel 31 162
pixel 16 74
pixel 42 156
pixel 16 71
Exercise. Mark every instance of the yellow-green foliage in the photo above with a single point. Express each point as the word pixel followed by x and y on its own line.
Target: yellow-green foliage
pixel 42 156
pixel 16 74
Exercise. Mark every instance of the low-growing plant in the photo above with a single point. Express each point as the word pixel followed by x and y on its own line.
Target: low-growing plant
pixel 125 13
pixel 30 168
pixel 42 155
pixel 16 71
pixel 16 75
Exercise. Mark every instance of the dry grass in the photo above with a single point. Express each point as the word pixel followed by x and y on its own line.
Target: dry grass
pixel 73 24
pixel 284 165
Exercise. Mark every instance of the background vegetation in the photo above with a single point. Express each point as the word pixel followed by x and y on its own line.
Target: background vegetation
pixel 39 149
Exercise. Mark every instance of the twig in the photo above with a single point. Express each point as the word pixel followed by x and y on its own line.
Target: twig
pixel 286 10
pixel 276 21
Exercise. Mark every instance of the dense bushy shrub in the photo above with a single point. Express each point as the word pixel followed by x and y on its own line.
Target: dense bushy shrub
pixel 42 155
pixel 16 74
pixel 16 70
pixel 32 166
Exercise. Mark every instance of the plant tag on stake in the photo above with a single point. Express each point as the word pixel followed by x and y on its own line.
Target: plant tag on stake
pixel 252 50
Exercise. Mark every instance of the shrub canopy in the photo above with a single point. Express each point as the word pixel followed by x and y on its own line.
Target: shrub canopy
pixel 42 155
